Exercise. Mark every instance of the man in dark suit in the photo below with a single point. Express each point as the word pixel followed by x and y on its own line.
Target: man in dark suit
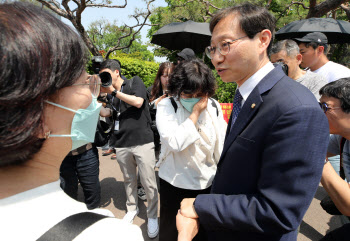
pixel 275 145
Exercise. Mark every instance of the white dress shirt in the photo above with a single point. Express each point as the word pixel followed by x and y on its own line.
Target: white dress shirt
pixel 189 153
pixel 247 87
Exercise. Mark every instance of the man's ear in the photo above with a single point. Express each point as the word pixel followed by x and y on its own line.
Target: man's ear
pixel 299 58
pixel 116 72
pixel 320 49
pixel 265 39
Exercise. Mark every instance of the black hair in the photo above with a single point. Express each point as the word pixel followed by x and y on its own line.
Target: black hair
pixel 192 77
pixel 39 55
pixel 339 89
pixel 314 45
pixel 252 18
pixel 112 64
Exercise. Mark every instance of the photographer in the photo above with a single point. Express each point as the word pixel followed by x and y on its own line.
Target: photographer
pixel 134 141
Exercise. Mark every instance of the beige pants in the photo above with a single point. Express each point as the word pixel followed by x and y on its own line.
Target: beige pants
pixel 129 158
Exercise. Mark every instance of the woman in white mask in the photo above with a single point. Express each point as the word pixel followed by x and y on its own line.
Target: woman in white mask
pixel 47 108
pixel 192 131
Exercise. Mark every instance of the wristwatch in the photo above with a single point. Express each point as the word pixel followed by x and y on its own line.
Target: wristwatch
pixel 114 93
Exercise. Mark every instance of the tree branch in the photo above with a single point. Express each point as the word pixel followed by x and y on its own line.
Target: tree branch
pixel 131 33
pixel 323 8
pixel 346 8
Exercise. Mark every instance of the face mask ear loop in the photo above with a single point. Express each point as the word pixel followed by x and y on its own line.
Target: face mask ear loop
pixel 61 106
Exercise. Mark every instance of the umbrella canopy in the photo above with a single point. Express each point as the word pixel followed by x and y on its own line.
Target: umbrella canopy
pixel 337 31
pixel 177 36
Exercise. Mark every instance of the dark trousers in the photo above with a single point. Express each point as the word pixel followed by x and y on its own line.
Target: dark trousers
pixel 170 199
pixel 83 168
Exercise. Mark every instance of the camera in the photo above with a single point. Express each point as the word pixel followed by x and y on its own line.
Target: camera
pixel 283 65
pixel 106 78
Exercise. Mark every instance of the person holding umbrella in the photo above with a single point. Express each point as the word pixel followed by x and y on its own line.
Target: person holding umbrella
pixel 314 49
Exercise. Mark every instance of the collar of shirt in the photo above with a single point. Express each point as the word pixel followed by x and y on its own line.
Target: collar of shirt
pixel 247 87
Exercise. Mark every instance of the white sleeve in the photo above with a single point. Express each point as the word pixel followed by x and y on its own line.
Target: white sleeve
pixel 175 133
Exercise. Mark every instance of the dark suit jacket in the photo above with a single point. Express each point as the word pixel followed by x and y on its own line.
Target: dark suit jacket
pixel 270 167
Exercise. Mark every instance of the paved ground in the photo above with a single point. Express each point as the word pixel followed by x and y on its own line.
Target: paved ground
pixel 316 222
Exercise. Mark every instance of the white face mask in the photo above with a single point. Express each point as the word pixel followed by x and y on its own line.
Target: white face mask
pixel 83 125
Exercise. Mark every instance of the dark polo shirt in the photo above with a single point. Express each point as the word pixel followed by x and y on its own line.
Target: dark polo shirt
pixel 134 123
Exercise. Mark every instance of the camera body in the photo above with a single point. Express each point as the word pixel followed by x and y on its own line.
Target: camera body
pixel 106 78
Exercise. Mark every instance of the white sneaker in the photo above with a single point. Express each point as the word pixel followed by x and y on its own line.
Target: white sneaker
pixel 141 193
pixel 129 216
pixel 152 227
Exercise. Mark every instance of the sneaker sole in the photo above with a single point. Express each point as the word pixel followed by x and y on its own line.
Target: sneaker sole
pixel 155 234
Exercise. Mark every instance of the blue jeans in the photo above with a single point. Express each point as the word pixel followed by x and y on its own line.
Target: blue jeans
pixel 83 168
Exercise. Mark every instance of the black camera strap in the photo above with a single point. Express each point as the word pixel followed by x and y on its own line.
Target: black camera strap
pixel 70 227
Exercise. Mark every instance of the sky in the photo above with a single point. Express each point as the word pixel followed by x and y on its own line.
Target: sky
pixel 121 15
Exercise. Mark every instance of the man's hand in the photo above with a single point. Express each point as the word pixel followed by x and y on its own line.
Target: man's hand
pixel 187 227
pixel 107 90
pixel 187 208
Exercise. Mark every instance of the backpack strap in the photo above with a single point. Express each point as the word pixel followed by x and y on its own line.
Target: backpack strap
pixel 173 103
pixel 70 227
pixel 341 171
pixel 214 105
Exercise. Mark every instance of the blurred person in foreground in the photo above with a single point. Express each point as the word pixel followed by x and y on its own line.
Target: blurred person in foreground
pixel 276 140
pixel 48 107
pixel 192 135
pixel 335 102
pixel 287 52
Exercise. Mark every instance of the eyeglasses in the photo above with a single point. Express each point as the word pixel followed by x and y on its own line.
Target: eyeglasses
pixel 325 107
pixel 223 47
pixel 94 84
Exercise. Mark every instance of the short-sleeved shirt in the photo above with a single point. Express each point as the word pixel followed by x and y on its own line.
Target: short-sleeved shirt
pixel 334 148
pixel 134 123
pixel 333 71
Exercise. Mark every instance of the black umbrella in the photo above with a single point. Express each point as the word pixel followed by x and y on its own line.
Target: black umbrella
pixel 177 36
pixel 337 31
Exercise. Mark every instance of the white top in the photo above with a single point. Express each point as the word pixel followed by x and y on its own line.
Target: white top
pixel 189 153
pixel 314 82
pixel 28 215
pixel 247 87
pixel 333 71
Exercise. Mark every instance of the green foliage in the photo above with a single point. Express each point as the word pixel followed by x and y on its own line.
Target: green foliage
pixel 131 67
pixel 146 70
pixel 225 91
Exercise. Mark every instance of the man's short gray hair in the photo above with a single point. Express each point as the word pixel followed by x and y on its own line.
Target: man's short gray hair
pixel 288 45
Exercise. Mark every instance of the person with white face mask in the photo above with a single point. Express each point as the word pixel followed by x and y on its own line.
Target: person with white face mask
pixel 192 130
pixel 48 108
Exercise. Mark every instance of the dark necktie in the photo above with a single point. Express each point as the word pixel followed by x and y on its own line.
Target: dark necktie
pixel 237 102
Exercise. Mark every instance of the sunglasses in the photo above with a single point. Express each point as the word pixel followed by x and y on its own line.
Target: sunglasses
pixel 325 107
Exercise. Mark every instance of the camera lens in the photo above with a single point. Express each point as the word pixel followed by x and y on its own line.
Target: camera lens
pixel 106 79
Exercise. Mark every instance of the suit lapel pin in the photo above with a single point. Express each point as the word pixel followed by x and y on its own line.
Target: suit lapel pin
pixel 253 106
